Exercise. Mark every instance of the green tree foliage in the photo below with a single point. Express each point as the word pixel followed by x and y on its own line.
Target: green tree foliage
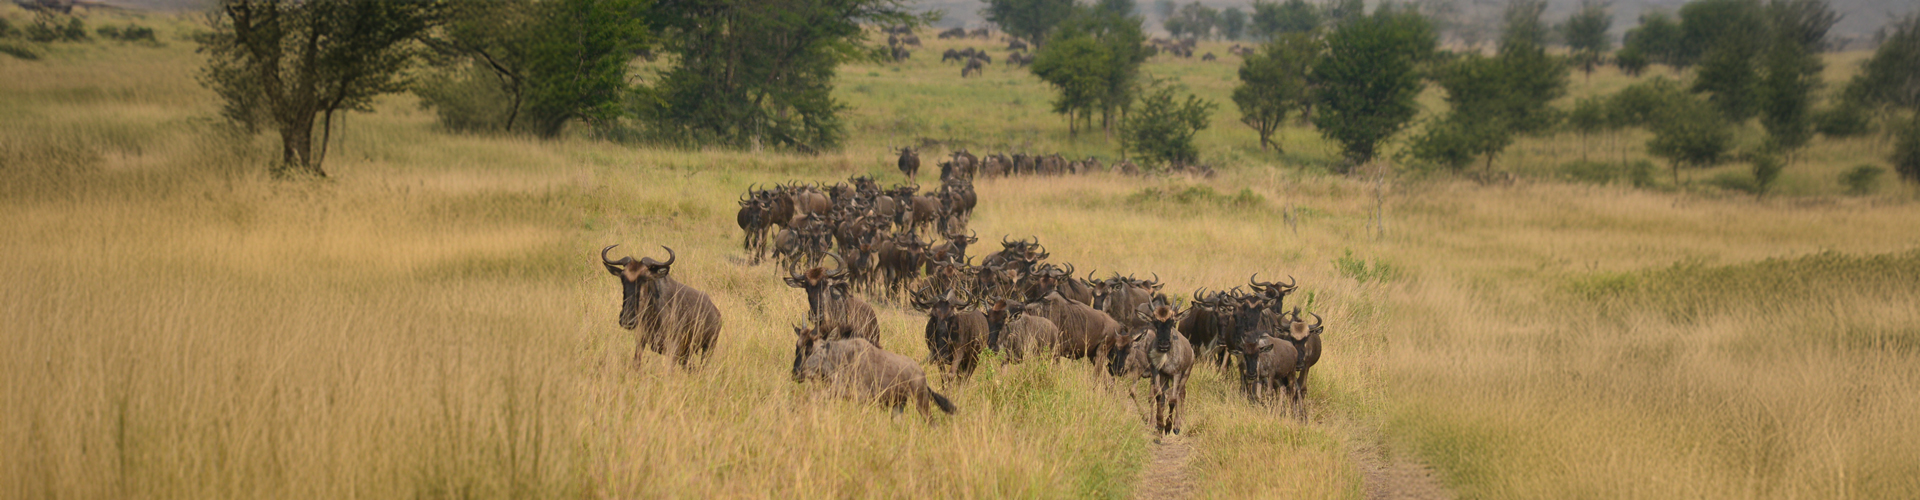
pixel 1728 36
pixel 1030 20
pixel 1270 20
pixel 286 65
pixel 1193 21
pixel 1233 24
pixel 1093 62
pixel 1630 60
pixel 1862 179
pixel 1687 131
pixel 1367 80
pixel 1342 11
pixel 1891 78
pixel 1273 84
pixel 1586 34
pixel 556 60
pixel 759 72
pixel 1906 151
pixel 1490 99
pixel 1791 67
pixel 49 26
pixel 1160 128
pixel 1845 118
pixel 1657 39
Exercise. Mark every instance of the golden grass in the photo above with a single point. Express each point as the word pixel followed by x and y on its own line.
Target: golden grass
pixel 429 322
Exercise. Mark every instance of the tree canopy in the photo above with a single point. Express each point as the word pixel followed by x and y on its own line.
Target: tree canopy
pixel 1368 78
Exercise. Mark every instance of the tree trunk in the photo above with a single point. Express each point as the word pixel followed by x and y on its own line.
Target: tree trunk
pixel 296 147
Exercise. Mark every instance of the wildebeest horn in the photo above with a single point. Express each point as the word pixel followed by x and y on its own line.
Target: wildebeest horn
pixel 1290 282
pixel 839 265
pixel 670 256
pixel 603 257
pixel 1069 270
pixel 1255 282
pixel 1156 277
pixel 1316 319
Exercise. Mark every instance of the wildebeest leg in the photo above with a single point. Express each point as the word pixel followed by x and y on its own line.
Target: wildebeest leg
pixel 1179 397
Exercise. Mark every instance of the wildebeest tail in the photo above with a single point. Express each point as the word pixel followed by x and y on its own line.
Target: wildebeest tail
pixel 941 401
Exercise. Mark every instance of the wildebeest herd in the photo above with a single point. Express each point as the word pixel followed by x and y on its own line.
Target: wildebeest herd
pixel 838 240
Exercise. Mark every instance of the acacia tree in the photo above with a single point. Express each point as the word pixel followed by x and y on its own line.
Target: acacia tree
pixel 1094 61
pixel 286 65
pixel 1274 19
pixel 1161 128
pixel 1367 79
pixel 1586 33
pixel 561 60
pixel 1791 68
pixel 1028 19
pixel 759 72
pixel 1273 84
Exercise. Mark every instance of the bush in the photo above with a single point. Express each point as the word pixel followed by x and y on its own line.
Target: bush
pixel 466 99
pixel 130 33
pixel 1160 128
pixel 1358 269
pixel 1906 152
pixel 1862 179
pixel 17 51
pixel 1846 119
pixel 1766 169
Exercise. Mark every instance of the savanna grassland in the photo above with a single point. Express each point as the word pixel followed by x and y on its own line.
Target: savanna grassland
pixel 430 321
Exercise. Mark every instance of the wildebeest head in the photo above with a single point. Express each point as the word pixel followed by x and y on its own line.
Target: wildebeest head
pixel 810 351
pixel 1161 320
pixel 940 310
pixel 818 283
pixel 1276 292
pixel 635 278
pixel 1003 310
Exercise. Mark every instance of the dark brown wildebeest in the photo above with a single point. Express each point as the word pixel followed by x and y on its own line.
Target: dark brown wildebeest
pixel 1018 335
pixel 955 336
pixel 1305 339
pixel 1023 164
pixel 1119 297
pixel 855 368
pixel 830 306
pixel 1084 332
pixel 909 162
pixel 666 316
pixel 1168 358
pixel 980 33
pixel 954 250
pixel 1276 293
pixel 1267 365
pixel 1016 44
pixel 973 67
pixel 899 260
pixel 1202 326
pixel 1208 57
pixel 753 221
pixel 995 165
pixel 924 209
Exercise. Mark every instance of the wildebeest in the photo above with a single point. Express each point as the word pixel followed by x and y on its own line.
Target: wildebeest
pixel 1208 57
pixel 1306 339
pixel 909 162
pixel 1017 335
pixel 1016 44
pixel 857 369
pixel 973 67
pixel 953 33
pixel 830 306
pixel 1168 359
pixel 1120 297
pixel 955 336
pixel 1084 332
pixel 1267 364
pixel 670 318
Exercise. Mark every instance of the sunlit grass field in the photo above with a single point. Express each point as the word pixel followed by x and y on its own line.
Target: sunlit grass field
pixel 430 321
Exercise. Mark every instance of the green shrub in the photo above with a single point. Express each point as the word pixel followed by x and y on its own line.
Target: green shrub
pixel 1358 268
pixel 1862 179
pixel 1847 119
pixel 466 99
pixel 1638 173
pixel 1194 195
pixel 17 51
pixel 1906 152
pixel 1160 128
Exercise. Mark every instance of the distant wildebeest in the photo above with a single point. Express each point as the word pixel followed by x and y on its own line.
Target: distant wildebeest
pixel 909 162
pixel 855 368
pixel 973 67
pixel 953 33
pixel 1163 353
pixel 670 318
pixel 1208 57
pixel 1017 335
pixel 831 306
pixel 955 335
pixel 1016 45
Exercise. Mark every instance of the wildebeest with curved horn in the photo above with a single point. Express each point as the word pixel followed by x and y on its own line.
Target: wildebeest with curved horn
pixel 855 368
pixel 1018 335
pixel 1084 331
pixel 1168 358
pixel 955 336
pixel 666 316
pixel 830 305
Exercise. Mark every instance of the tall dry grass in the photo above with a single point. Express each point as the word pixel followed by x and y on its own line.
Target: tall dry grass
pixel 430 321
